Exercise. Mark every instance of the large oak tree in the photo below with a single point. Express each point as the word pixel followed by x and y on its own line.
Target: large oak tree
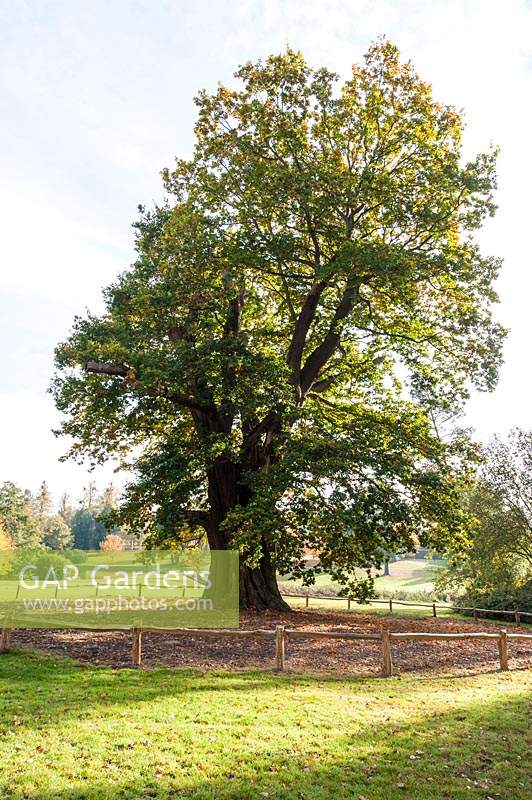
pixel 304 308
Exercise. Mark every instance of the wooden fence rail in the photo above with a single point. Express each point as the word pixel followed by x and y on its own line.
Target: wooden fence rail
pixel 389 601
pixel 282 636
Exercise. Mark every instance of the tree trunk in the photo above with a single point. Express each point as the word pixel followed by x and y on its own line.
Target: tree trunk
pixel 258 588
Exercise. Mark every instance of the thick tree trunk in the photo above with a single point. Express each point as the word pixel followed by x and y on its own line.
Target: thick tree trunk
pixel 258 588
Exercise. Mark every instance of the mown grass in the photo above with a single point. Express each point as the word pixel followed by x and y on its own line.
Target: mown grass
pixel 408 577
pixel 381 609
pixel 72 732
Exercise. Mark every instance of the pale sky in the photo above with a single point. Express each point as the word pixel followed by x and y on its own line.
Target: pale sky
pixel 96 97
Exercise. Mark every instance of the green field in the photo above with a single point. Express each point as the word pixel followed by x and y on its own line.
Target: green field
pixel 69 732
pixel 409 577
pixel 118 589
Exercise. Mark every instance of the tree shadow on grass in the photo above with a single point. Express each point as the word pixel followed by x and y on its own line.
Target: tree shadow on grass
pixel 442 762
pixel 23 669
pixel 474 750
pixel 92 687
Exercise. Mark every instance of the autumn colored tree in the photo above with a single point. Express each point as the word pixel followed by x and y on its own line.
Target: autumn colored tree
pixel 5 540
pixel 42 502
pixel 304 310
pixel 112 542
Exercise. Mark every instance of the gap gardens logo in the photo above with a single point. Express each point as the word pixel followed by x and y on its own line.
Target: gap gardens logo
pixel 86 589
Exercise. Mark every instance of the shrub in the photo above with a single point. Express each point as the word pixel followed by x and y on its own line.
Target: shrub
pixel 112 542
pixel 508 596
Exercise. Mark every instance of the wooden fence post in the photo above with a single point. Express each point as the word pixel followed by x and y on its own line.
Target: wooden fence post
pixel 306 599
pixel 434 610
pixel 391 606
pixel 387 664
pixel 517 618
pixel 349 604
pixel 279 647
pixel 5 638
pixel 475 613
pixel 137 647
pixel 503 648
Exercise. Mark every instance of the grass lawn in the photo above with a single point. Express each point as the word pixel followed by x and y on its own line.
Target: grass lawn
pixel 340 605
pixel 409 576
pixel 72 732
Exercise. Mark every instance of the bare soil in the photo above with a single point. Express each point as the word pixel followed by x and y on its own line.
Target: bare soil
pixel 319 655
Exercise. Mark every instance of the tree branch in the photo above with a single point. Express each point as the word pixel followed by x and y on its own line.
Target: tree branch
pixel 103 368
pixel 304 321
pixel 197 517
pixel 253 436
pixel 321 354
pixel 131 377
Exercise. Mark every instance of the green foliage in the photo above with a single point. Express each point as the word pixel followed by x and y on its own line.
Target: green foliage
pixel 16 516
pixel 502 593
pixel 507 476
pixel 305 311
pixel 57 535
pixel 495 568
pixel 87 531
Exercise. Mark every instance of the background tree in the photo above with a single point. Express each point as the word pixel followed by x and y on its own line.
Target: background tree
pixel 87 531
pixel 16 516
pixel 65 508
pixel 303 310
pixel 109 497
pixel 112 542
pixel 507 476
pixel 42 502
pixel 497 561
pixel 90 495
pixel 92 522
pixel 56 533
pixel 5 541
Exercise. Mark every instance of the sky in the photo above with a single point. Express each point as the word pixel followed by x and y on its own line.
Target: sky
pixel 97 97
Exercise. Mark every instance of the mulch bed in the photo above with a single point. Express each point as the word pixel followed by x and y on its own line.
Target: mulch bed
pixel 319 655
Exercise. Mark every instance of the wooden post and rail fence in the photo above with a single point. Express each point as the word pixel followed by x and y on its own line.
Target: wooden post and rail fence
pixel 282 636
pixel 434 606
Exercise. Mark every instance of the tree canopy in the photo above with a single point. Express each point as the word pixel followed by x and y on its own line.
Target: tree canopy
pixel 57 534
pixel 495 566
pixel 17 517
pixel 305 309
pixel 506 475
